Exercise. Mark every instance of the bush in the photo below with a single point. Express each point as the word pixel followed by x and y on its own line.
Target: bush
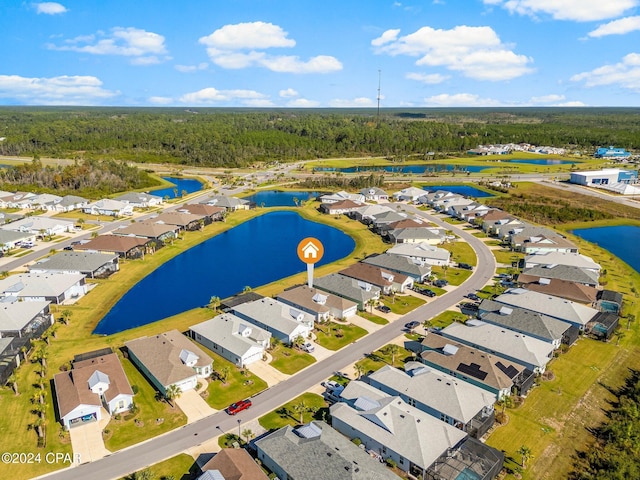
pixel 134 389
pixel 390 462
pixel 357 441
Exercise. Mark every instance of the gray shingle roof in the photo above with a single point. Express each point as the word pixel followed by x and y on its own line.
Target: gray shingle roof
pixel 232 333
pixel 77 261
pixel 564 272
pixel 420 250
pixel 347 287
pixel 277 315
pixel 397 263
pixel 16 315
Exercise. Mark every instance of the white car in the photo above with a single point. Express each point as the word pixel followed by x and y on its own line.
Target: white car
pixel 308 347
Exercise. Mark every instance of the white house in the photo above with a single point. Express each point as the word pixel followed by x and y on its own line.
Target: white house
pixel 423 252
pixel 109 207
pixel 39 226
pixel 53 287
pixel 410 194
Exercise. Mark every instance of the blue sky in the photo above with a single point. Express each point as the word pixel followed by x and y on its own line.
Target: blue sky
pixel 304 53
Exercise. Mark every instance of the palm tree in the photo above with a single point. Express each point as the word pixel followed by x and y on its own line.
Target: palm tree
pixel 13 380
pixel 172 392
pixel 505 402
pixel 393 294
pixel 52 330
pixel 630 318
pixel 359 368
pixel 619 336
pixel 525 453
pixel 392 349
pixel 224 373
pixel 39 424
pixel 296 201
pixel 301 408
pixel 299 341
pixel 248 434
pixel 426 325
pixel 247 289
pixel 66 315
pixel 371 302
pixel 4 274
pixel 214 303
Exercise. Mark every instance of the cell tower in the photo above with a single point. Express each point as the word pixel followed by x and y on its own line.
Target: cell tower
pixel 379 75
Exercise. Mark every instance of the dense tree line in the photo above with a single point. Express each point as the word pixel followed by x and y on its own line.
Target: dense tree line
pixel 616 452
pixel 231 138
pixel 355 183
pixel 90 178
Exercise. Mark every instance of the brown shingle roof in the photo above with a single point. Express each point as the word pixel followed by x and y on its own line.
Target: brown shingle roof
pixel 372 274
pixel 575 292
pixel 112 243
pixel 202 209
pixel 72 387
pixel 178 218
pixel 303 296
pixel 146 229
pixel 235 464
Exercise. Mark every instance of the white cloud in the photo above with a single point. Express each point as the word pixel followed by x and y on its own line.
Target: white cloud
pixel 460 100
pixel 50 8
pixel 211 95
pixel 143 46
pixel 356 102
pixel 62 90
pixel 161 100
pixel 547 99
pixel 302 103
pixel 575 10
pixel 258 103
pixel 429 79
pixel 621 26
pixel 476 52
pixel 192 68
pixel 624 74
pixel 288 93
pixel 242 45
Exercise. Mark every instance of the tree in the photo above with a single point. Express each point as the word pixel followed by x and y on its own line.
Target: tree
pixel 66 316
pixel 53 329
pixel 505 402
pixel 426 325
pixel 371 303
pixel 296 201
pixel 248 434
pixel 13 381
pixel 4 274
pixel 360 370
pixel 525 453
pixel 145 474
pixel 393 294
pixel 630 318
pixel 172 392
pixel 214 303
pixel 247 289
pixel 301 408
pixel 619 334
pixel 392 349
pixel 298 341
pixel 39 424
pixel 224 374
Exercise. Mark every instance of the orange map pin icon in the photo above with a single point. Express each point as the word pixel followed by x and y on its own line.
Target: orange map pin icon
pixel 310 250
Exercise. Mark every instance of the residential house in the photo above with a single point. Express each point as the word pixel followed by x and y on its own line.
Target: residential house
pixel 374 194
pixel 232 464
pixel 561 258
pixel 384 279
pixel 322 305
pixel 10 239
pixel 530 239
pixel 283 321
pixel 341 196
pixel 40 226
pixel 233 338
pixel 603 325
pixel 340 208
pixel 228 304
pixel 92 384
pixel 315 451
pixel 361 292
pixel 12 351
pixel 430 197
pixel 56 288
pixel 230 204
pixel 89 264
pixel 140 199
pixel 409 194
pixel 609 301
pixel 432 236
pixel 531 352
pixel 125 247
pixel 560 272
pixel 41 201
pixel 423 252
pixel 10 217
pixel 395 430
pixel 526 322
pixel 367 213
pixel 414 269
pixel 109 207
pixel 24 319
pixel 414 222
pixel 69 203
pixel 183 220
pixel 211 213
pixel 458 403
pixel 168 359
pixel 491 372
pixel 576 292
pixel 555 307
pixel 382 219
pixel 498 223
pixel 13 200
pixel 159 233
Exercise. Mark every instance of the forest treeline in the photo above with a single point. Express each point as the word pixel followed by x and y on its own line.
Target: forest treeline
pixel 89 178
pixel 329 182
pixel 616 452
pixel 235 138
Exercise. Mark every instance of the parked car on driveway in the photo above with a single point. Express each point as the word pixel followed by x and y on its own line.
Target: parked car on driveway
pixel 383 308
pixel 441 283
pixel 473 296
pixel 238 407
pixel 466 266
pixel 411 325
pixel 307 347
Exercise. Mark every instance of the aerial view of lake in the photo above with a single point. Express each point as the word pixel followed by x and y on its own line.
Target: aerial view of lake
pixel 254 253
pixel 541 161
pixel 188 185
pixel 465 190
pixel 622 241
pixel 415 169
pixel 275 198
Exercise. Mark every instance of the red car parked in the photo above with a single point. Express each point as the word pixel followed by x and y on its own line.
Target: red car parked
pixel 238 406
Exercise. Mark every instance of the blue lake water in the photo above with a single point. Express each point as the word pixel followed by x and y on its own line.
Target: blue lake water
pixel 465 190
pixel 254 253
pixel 274 198
pixel 541 161
pixel 189 185
pixel 622 241
pixel 416 169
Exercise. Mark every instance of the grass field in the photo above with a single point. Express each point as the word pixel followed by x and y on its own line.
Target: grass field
pixel 327 334
pixel 402 304
pixel 290 360
pixel 178 467
pixel 445 319
pixel 455 276
pixel 287 414
pixel 378 359
pixel 461 252
pixel 373 318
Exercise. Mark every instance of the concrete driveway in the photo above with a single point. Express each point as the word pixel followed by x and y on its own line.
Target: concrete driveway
pixel 266 372
pixel 87 442
pixel 194 406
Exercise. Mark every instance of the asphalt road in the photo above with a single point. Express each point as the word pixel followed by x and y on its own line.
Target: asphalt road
pixel 172 443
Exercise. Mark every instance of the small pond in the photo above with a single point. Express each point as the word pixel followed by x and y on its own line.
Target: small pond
pixel 414 169
pixel 275 198
pixel 254 253
pixel 188 185
pixel 541 161
pixel 465 190
pixel 621 240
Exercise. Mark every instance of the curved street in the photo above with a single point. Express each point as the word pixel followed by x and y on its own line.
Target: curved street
pixel 177 441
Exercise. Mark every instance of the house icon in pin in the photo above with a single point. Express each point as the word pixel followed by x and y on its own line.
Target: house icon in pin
pixel 310 251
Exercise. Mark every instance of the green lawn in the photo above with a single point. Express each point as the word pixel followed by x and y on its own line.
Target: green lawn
pixel 402 304
pixel 327 334
pixel 290 360
pixel 461 252
pixel 455 276
pixel 445 319
pixel 378 359
pixel 479 234
pixel 180 466
pixel 373 318
pixel 287 415
pixel 504 255
pixel 127 431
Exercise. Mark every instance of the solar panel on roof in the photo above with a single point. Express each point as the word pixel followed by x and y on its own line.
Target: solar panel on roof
pixel 510 371
pixel 472 370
